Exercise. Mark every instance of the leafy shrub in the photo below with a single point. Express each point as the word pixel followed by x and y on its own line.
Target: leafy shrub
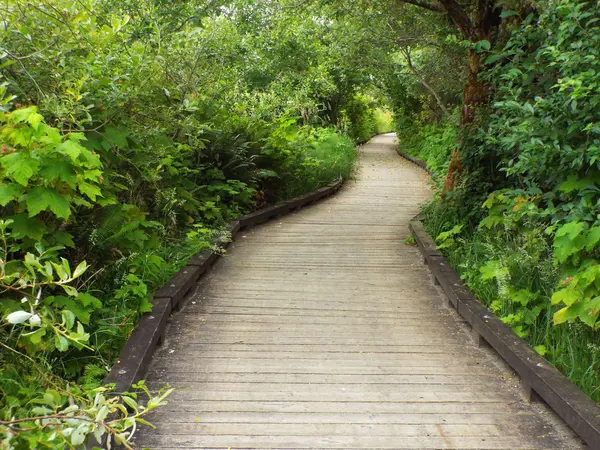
pixel 431 143
pixel 531 252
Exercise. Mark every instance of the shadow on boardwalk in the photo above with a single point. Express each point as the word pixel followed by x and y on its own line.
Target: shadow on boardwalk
pixel 323 330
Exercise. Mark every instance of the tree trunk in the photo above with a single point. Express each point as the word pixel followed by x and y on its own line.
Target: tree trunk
pixel 475 94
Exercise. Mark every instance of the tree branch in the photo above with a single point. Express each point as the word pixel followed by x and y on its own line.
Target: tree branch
pixel 460 18
pixel 406 52
pixel 424 4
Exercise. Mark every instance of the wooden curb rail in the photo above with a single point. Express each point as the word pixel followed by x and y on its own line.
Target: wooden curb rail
pixel 538 376
pixel 415 161
pixel 139 348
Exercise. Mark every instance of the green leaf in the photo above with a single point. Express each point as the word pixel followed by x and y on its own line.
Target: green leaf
pixel 541 349
pixel 20 166
pixel 568 240
pixel 8 193
pixel 24 226
pixel 29 115
pixel 592 238
pixel 36 336
pixel 92 191
pixel 130 402
pixel 493 58
pixel 61 343
pixel 80 269
pixel 79 434
pixel 117 136
pixel 40 199
pixel 54 170
pixel 70 148
pixel 89 300
pixel 68 319
pixel 492 269
pixel 567 296
pixel 63 238
pixel 485 44
pixel 508 13
pixel 70 290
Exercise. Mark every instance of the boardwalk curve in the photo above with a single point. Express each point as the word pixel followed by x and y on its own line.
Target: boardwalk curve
pixel 322 329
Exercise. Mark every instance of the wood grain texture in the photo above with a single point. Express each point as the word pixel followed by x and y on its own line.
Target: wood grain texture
pixel 322 329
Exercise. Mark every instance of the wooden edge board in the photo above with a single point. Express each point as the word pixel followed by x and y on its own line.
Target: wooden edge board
pixel 262 215
pixel 415 161
pixel 424 242
pixel 178 286
pixel 578 410
pixel 139 348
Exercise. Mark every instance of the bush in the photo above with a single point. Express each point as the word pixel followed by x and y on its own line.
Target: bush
pixel 431 143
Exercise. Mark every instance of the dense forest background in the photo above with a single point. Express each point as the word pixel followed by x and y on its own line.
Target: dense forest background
pixel 133 131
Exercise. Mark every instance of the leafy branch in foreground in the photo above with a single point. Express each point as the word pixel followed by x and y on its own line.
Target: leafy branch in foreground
pixel 69 418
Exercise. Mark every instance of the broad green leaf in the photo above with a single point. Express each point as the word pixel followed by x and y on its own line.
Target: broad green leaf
pixel 21 115
pixel 54 170
pixel 566 314
pixel 70 290
pixel 79 434
pixel 492 269
pixel 485 44
pixel 117 136
pixel 568 240
pixel 68 318
pixel 588 317
pixel 592 238
pixel 40 199
pixel 593 305
pixel 568 296
pixel 92 191
pixel 37 335
pixel 19 166
pixel 24 226
pixel 89 300
pixel 71 149
pixel 9 192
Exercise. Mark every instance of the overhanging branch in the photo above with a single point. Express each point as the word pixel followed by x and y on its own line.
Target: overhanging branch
pixel 424 4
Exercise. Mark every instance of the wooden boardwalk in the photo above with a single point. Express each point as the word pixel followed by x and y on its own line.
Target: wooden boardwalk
pixel 323 329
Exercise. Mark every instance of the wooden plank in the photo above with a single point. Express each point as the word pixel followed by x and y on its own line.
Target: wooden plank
pixel 491 418
pixel 373 442
pixel 198 407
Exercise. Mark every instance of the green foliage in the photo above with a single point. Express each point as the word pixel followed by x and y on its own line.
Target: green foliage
pixel 531 160
pixel 431 143
pixel 384 121
pixel 326 156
